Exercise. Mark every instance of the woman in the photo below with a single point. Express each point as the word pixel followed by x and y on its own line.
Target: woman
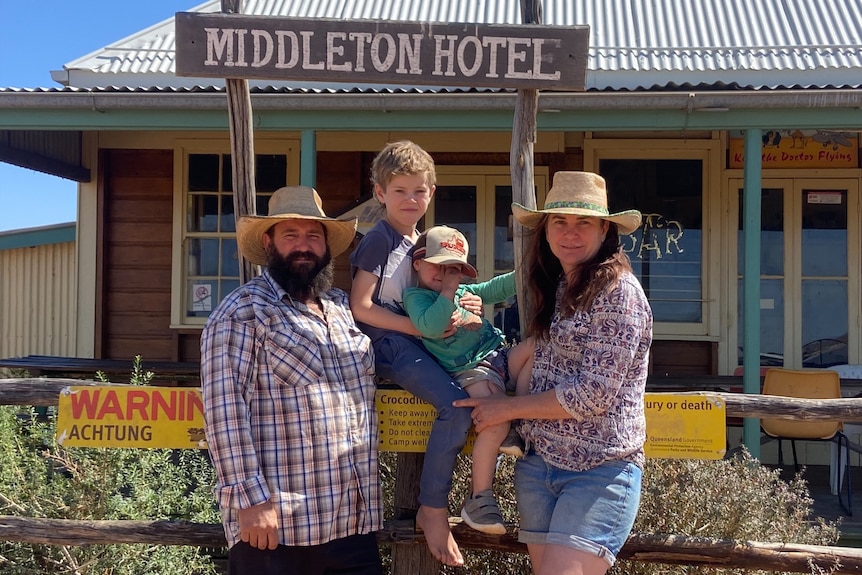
pixel 578 486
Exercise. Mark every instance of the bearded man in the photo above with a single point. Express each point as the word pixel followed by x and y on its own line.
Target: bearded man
pixel 288 390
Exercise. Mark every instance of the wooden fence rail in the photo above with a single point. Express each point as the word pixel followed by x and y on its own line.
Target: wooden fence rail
pixel 654 548
pixel 669 549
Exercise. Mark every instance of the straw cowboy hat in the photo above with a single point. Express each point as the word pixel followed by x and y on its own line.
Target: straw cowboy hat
pixel 292 203
pixel 580 194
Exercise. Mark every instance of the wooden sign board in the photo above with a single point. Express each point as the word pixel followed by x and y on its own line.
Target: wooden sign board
pixel 381 52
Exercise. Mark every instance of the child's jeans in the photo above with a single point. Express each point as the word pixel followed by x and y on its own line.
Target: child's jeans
pixel 403 360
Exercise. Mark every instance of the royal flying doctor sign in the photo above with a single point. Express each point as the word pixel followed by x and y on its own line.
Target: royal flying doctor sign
pixel 381 52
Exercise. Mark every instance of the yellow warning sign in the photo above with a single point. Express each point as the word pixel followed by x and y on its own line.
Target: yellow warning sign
pixel 678 426
pixel 131 416
pixel 685 426
pixel 405 422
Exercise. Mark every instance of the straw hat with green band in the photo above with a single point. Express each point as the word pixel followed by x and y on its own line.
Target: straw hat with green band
pixel 579 194
pixel 292 203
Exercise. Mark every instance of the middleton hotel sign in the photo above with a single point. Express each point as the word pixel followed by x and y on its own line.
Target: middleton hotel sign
pixel 381 52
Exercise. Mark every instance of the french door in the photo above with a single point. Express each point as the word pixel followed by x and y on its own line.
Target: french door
pixel 809 272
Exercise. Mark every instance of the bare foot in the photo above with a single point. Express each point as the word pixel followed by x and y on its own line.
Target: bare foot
pixel 434 522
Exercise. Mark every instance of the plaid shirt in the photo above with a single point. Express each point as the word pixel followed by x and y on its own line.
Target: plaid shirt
pixel 290 414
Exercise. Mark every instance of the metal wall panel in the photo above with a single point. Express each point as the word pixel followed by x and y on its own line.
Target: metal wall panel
pixel 38 300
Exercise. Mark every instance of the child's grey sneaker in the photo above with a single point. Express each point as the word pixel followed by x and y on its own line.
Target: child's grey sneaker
pixel 513 444
pixel 482 513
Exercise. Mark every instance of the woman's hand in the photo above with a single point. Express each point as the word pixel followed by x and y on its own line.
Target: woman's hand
pixel 488 411
pixel 471 302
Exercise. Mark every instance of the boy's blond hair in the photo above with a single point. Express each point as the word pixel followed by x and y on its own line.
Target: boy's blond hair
pixel 403 158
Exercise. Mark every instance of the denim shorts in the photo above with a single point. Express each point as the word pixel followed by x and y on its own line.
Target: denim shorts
pixel 591 511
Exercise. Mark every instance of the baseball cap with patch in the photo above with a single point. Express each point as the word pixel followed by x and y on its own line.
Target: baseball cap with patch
pixel 443 245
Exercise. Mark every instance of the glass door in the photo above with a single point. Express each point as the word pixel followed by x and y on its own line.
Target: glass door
pixel 477 201
pixel 809 270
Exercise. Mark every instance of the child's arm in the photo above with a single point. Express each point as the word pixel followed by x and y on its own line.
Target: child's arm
pixel 366 311
pixel 495 290
pixel 429 311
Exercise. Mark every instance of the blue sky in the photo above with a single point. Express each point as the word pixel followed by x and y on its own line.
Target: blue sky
pixel 37 37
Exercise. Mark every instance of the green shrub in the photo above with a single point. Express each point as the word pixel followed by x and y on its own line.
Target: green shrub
pixel 728 499
pixel 38 478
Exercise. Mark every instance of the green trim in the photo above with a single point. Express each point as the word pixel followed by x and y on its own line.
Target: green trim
pixel 579 205
pixel 308 159
pixel 751 225
pixel 433 120
pixel 34 237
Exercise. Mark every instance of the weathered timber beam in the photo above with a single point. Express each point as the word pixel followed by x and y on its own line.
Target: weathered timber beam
pixel 39 392
pixel 45 392
pixel 749 555
pixel 670 549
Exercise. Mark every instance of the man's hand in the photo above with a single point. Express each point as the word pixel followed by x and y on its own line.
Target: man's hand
pixel 258 526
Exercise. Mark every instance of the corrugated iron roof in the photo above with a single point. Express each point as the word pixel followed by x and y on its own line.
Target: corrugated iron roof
pixel 634 44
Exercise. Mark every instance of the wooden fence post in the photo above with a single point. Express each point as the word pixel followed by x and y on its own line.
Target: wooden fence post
pixel 241 148
pixel 521 166
pixel 415 558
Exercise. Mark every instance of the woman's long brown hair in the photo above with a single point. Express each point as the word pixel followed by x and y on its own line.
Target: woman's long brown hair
pixel 545 271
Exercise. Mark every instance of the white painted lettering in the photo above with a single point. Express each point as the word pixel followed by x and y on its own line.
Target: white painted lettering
pixel 516 55
pixel 333 50
pixel 306 52
pixel 537 60
pixel 262 42
pixel 382 64
pixel 477 56
pixel 448 53
pixel 494 43
pixel 410 52
pixel 240 49
pixel 217 45
pixel 361 39
pixel 283 39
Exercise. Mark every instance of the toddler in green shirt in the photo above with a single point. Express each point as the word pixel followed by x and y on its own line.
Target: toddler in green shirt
pixel 476 355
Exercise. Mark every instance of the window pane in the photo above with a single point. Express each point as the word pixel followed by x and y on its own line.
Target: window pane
pixel 203 213
pixel 227 286
pixel 271 172
pixel 824 323
pixel 455 206
pixel 504 251
pixel 227 173
pixel 229 258
pixel 228 218
pixel 771 234
pixel 771 322
pixel 667 251
pixel 203 257
pixel 203 172
pixel 824 233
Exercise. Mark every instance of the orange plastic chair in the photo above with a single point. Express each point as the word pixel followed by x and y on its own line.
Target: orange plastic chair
pixel 809 384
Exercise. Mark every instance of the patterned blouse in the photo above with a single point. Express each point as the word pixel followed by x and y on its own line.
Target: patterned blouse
pixel 596 361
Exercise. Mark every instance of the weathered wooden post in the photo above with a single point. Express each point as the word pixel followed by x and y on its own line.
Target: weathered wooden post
pixel 241 148
pixel 410 559
pixel 521 165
